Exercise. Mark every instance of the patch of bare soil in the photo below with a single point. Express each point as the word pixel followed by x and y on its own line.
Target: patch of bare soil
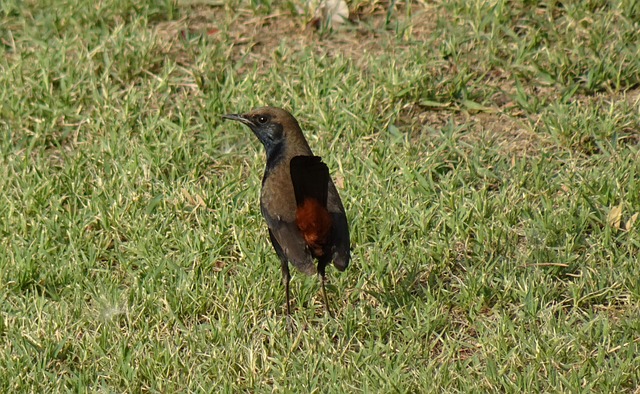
pixel 260 36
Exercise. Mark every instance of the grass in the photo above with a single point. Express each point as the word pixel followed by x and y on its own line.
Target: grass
pixel 488 157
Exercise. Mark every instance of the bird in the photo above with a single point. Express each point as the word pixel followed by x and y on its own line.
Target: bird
pixel 299 201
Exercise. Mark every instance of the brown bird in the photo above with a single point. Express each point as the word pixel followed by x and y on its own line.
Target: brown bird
pixel 299 201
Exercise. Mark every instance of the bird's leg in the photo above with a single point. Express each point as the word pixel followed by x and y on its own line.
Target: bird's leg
pixel 286 278
pixel 321 274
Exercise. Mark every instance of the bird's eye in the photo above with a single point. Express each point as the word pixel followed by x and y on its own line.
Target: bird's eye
pixel 262 119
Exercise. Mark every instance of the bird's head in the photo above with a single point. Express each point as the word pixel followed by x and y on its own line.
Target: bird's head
pixel 273 126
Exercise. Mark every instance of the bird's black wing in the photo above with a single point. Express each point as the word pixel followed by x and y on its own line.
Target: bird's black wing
pixel 340 241
pixel 310 178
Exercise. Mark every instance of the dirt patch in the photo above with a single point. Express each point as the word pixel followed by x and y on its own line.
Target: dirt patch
pixel 260 36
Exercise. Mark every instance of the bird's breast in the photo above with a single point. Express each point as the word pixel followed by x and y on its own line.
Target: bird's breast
pixel 277 198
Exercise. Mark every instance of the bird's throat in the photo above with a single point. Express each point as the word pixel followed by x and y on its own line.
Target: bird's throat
pixel 275 155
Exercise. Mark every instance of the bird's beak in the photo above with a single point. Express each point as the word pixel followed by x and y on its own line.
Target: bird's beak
pixel 239 118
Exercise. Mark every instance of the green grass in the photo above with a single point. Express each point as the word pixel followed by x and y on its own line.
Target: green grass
pixel 482 147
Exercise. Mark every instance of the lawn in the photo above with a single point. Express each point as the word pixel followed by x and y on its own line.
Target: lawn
pixel 487 154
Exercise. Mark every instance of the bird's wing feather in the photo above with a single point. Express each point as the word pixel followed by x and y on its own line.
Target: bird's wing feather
pixel 291 243
pixel 340 242
pixel 310 178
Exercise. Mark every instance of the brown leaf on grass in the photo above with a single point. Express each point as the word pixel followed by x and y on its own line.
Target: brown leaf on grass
pixel 614 217
pixel 194 200
pixel 632 220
